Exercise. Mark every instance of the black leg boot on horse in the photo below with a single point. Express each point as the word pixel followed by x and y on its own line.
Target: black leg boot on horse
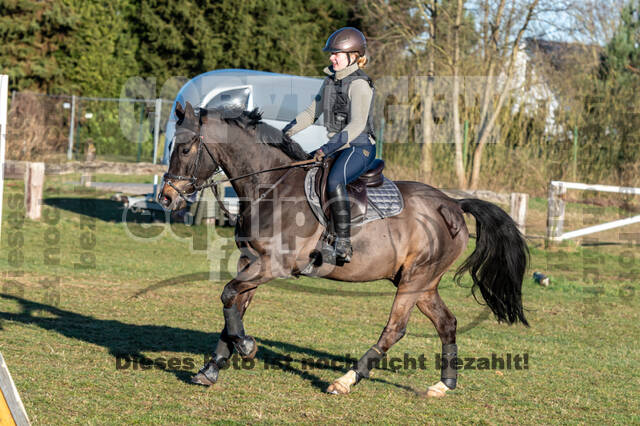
pixel 232 338
pixel 341 251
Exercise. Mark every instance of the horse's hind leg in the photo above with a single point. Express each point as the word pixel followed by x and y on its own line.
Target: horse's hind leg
pixel 445 323
pixel 405 300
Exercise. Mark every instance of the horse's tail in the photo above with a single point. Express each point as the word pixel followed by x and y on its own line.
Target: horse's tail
pixel 498 263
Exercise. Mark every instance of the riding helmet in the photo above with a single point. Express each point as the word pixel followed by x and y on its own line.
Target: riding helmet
pixel 347 39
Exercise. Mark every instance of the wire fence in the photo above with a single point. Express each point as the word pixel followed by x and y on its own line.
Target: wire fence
pixel 64 127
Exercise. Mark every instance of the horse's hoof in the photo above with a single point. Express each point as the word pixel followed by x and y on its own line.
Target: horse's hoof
pixel 342 386
pixel 247 347
pixel 337 388
pixel 207 376
pixel 437 391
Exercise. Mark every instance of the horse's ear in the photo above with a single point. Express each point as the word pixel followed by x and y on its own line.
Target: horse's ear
pixel 179 111
pixel 189 113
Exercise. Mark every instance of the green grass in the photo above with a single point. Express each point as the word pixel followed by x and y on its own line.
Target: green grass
pixel 63 325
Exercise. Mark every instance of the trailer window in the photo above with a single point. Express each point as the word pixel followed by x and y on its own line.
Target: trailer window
pixel 234 98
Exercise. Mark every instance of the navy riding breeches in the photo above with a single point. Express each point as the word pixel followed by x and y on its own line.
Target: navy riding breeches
pixel 351 162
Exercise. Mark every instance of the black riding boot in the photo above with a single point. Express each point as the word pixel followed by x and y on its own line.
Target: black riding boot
pixel 341 216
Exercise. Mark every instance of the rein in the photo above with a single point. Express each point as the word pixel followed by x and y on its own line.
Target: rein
pixel 214 184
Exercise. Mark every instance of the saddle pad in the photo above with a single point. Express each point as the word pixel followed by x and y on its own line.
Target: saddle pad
pixel 385 199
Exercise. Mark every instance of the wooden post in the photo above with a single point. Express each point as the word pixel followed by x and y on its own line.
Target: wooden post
pixel 33 184
pixel 205 208
pixel 89 156
pixel 555 211
pixel 210 212
pixel 85 178
pixel 519 209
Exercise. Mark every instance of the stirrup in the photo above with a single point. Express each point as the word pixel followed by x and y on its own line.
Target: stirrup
pixel 343 249
pixel 328 252
pixel 332 256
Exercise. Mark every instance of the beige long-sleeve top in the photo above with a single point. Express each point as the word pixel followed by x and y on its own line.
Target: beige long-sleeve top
pixel 360 94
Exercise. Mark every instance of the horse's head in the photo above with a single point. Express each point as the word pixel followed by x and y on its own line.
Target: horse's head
pixel 191 161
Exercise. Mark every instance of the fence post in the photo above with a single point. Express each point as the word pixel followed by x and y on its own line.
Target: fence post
pixel 72 126
pixel 33 184
pixel 156 128
pixel 555 210
pixel 575 153
pixel 519 209
pixel 4 88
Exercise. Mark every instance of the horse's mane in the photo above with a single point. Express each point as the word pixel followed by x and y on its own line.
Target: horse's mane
pixel 266 134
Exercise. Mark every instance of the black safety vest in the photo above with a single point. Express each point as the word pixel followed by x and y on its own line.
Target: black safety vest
pixel 336 105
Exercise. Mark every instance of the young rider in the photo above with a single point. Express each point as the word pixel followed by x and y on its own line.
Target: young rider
pixel 346 101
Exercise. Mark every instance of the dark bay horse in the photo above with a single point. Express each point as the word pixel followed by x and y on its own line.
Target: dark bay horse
pixel 277 234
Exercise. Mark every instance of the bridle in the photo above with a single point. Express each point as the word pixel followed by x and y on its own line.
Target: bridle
pixel 192 179
pixel 169 177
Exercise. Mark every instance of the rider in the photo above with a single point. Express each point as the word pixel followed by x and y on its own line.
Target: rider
pixel 346 100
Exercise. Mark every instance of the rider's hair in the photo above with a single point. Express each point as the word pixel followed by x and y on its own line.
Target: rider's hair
pixel 360 60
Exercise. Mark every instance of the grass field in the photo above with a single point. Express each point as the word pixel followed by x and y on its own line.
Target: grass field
pixel 81 289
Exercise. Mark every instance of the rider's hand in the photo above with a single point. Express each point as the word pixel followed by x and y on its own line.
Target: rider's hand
pixel 318 156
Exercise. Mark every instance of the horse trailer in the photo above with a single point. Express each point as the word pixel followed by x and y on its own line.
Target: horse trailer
pixel 280 97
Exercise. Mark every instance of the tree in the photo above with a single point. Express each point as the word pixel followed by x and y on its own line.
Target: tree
pixel 502 34
pixel 450 40
pixel 621 59
pixel 612 109
pixel 175 39
pixel 192 37
pixel 92 47
pixel 414 38
pixel 98 55
pixel 30 33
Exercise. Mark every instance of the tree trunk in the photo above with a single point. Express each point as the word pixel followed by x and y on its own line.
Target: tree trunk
pixel 427 105
pixel 427 129
pixel 488 122
pixel 455 101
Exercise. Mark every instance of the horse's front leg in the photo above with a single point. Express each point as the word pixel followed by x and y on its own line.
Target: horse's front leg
pixel 236 296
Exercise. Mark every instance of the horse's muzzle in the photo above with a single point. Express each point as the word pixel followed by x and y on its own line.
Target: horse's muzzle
pixel 169 199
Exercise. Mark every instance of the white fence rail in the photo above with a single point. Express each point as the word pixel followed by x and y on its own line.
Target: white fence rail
pixel 556 209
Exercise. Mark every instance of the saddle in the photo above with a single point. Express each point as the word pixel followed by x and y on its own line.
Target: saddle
pixel 372 189
pixel 372 196
pixel 356 190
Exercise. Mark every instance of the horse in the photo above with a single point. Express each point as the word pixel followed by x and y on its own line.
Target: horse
pixel 277 237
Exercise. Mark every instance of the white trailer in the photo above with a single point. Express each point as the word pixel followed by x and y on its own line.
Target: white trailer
pixel 280 97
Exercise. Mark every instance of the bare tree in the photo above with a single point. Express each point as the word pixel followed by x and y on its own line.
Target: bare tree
pixel 435 35
pixel 509 50
pixel 406 36
pixel 429 14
